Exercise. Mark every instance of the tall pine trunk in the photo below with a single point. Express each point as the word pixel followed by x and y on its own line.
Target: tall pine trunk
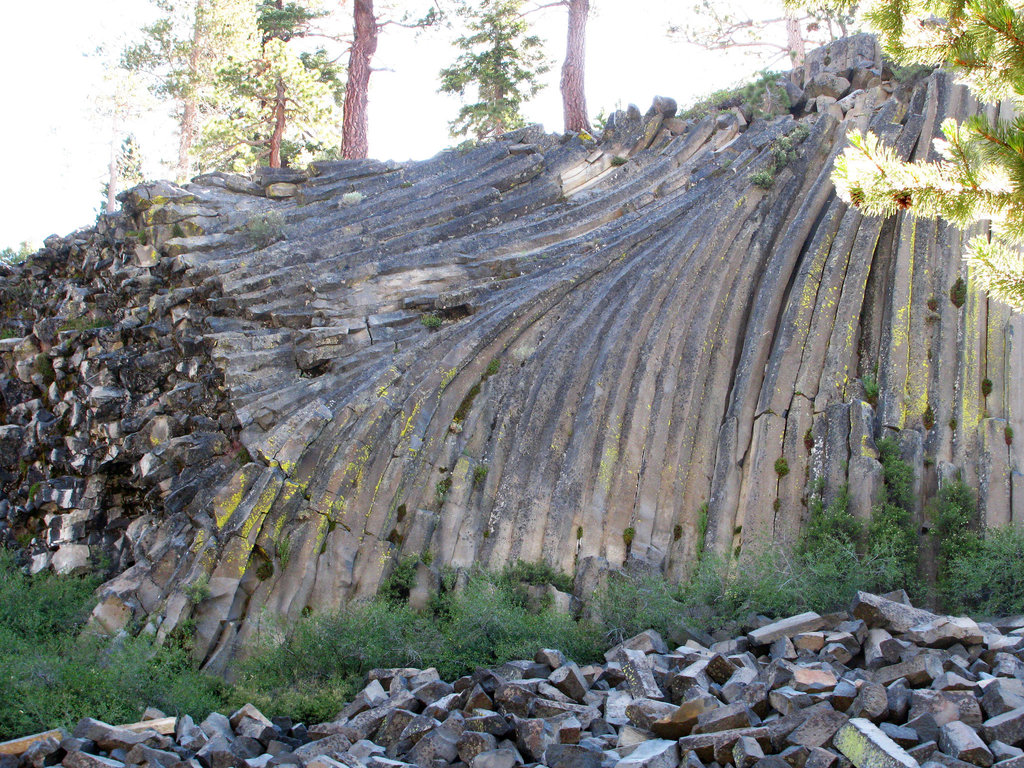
pixel 113 175
pixel 279 124
pixel 574 98
pixel 355 141
pixel 189 109
pixel 794 41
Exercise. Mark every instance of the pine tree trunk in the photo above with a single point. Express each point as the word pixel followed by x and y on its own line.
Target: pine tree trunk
pixel 795 41
pixel 189 110
pixel 279 124
pixel 574 99
pixel 355 141
pixel 112 181
pixel 185 139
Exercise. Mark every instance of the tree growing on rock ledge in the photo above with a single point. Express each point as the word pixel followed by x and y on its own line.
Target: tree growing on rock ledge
pixel 501 62
pixel 772 33
pixel 979 175
pixel 279 103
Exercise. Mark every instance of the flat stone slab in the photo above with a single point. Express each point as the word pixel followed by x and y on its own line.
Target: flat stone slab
pixel 794 625
pixel 867 747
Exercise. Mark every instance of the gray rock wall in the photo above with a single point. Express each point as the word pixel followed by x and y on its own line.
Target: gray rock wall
pixel 632 335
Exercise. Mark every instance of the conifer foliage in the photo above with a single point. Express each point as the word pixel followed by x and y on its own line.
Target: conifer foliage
pixel 281 104
pixel 979 174
pixel 501 65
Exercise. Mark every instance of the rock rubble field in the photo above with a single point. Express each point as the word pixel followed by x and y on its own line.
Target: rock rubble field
pixel 884 685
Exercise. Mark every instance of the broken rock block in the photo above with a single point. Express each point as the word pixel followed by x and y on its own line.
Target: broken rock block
pixel 864 744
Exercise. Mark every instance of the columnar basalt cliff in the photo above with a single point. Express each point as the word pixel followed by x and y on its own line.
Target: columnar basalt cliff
pixel 586 352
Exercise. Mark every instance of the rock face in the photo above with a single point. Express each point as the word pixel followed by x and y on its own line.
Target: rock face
pixel 541 348
pixel 518 714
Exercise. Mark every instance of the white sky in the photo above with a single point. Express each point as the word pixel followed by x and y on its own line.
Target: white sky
pixel 57 149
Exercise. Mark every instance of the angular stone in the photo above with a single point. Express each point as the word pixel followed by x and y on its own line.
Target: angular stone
pixel 681 720
pixel 880 649
pixel 571 756
pixel 944 631
pixel 726 718
pixel 437 745
pixel 794 625
pixel 918 671
pixel 86 760
pixel 872 702
pixel 639 674
pixel 569 680
pixel 495 758
pixel 959 740
pixel 818 729
pixel 656 753
pixel 1007 727
pixel 746 752
pixel 718 745
pixel 877 611
pixel 812 680
pixel 472 743
pixel 643 713
pixel 866 746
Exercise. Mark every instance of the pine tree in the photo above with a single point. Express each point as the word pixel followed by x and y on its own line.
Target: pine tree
pixel 126 170
pixel 501 65
pixel 771 32
pixel 278 104
pixel 182 51
pixel 980 175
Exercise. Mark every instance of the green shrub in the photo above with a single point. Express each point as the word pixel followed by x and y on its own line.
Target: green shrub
pixel 871 388
pixel 312 670
pixel 958 293
pixel 781 466
pixel 1008 435
pixel 52 674
pixel 441 490
pixel 749 97
pixel 783 151
pixel 928 418
pixel 987 576
pixel 537 573
pixel 629 604
pixel 479 474
pixel 264 229
pixel 763 178
pixel 954 514
pixel 986 387
pixel 44 366
pixel 833 522
pixel 618 160
pixel 399 583
pixel 628 534
pixel 897 474
pixel 431 321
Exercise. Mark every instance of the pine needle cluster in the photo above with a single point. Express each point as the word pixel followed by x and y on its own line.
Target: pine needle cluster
pixel 979 176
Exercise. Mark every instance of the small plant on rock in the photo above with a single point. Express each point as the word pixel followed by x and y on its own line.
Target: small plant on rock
pixel 479 474
pixel 431 321
pixel 781 466
pixel 264 229
pixel 958 293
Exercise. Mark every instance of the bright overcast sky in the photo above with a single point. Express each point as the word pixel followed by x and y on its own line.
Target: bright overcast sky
pixel 57 149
